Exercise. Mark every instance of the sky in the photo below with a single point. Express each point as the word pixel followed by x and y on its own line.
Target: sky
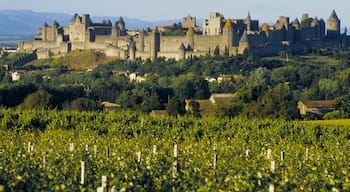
pixel 156 10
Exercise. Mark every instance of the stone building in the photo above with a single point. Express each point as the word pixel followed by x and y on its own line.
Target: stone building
pixel 228 36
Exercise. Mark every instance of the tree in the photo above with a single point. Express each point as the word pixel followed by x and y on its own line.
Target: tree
pixel 217 51
pixel 260 77
pixel 277 102
pixel 193 108
pixel 329 88
pixel 191 87
pixel 175 107
pixel 342 103
pixel 40 99
pixel 84 104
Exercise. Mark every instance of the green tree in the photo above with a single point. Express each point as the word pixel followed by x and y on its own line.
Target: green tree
pixel 193 108
pixel 40 99
pixel 277 102
pixel 329 88
pixel 84 104
pixel 175 107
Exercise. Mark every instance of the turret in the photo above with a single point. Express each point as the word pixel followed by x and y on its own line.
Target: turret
pixel 86 20
pixel 228 34
pixel 132 51
pixel 182 52
pixel 296 24
pixel 190 38
pixel 265 27
pixel 333 25
pixel 249 22
pixel 120 26
pixel 141 41
pixel 55 24
pixel 155 43
pixel 244 44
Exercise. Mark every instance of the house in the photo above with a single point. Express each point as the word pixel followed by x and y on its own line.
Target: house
pixel 206 106
pixel 159 113
pixel 318 107
pixel 221 98
pixel 16 76
pixel 110 107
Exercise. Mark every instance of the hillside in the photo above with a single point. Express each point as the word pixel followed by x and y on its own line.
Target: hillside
pixel 25 22
pixel 76 60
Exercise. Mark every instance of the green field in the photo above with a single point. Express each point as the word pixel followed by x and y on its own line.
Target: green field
pixel 44 150
pixel 341 122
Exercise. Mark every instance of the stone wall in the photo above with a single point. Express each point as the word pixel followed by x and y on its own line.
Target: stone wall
pixel 206 43
pixel 172 43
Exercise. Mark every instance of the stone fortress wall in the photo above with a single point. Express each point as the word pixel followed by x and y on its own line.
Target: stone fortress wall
pixel 233 36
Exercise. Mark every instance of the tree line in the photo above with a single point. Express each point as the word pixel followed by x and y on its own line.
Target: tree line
pixel 265 87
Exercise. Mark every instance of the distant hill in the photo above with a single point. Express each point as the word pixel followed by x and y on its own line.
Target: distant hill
pixel 24 22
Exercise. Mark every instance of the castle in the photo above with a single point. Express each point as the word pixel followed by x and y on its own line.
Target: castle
pixel 217 34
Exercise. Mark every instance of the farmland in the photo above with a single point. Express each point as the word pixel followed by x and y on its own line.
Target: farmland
pixel 70 151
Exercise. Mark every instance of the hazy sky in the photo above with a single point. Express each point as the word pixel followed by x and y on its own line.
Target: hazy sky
pixel 264 10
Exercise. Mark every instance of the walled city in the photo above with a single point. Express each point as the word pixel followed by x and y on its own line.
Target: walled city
pixel 217 33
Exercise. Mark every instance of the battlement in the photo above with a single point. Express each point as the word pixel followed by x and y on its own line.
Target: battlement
pixel 219 35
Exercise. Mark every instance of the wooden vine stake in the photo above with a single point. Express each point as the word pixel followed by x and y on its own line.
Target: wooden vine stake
pixel 82 174
pixel 107 152
pixel 215 157
pixel 103 187
pixel 269 152
pixel 154 150
pixel 175 161
pixel 282 155
pixel 307 154
pixel 71 147
pixel 142 121
pixel 138 154
pixel 272 166
pixel 30 147
pixel 271 188
pixel 95 150
pixel 44 161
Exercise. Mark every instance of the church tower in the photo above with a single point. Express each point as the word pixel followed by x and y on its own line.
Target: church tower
pixel 333 25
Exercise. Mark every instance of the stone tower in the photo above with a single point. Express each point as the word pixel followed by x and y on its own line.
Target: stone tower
pixel 296 24
pixel 182 52
pixel 188 22
pixel 78 28
pixel 333 25
pixel 228 35
pixel 120 26
pixel 132 50
pixel 190 38
pixel 141 41
pixel 155 43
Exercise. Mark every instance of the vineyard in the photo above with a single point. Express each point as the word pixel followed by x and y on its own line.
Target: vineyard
pixel 131 151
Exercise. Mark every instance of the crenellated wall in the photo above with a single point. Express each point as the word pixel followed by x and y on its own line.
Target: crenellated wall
pixel 233 35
